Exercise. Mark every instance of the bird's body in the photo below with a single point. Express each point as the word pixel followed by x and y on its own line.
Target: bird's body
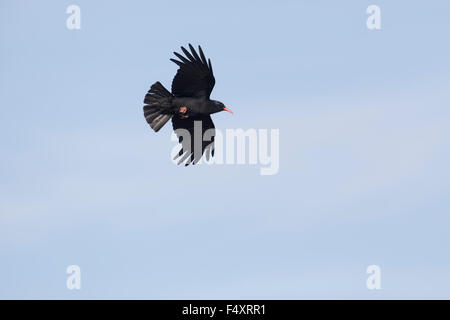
pixel 188 103
pixel 195 106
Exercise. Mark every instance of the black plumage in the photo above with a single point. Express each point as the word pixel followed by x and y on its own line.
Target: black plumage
pixel 187 105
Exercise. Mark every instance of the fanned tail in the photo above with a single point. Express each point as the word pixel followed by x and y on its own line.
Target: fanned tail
pixel 158 103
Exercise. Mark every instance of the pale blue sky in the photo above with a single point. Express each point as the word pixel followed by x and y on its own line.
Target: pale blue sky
pixel 364 125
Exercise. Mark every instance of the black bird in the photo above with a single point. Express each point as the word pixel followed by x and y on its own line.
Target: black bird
pixel 188 103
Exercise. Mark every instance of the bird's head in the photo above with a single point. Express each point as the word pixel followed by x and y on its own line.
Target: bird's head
pixel 219 106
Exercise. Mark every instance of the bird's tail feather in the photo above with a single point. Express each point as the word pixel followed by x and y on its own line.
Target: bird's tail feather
pixel 157 108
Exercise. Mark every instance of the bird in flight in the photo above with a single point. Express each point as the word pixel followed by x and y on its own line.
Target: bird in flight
pixel 189 105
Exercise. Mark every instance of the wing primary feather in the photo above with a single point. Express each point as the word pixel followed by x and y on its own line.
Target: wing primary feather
pixel 210 65
pixel 194 53
pixel 177 62
pixel 188 55
pixel 202 55
pixel 181 57
pixel 184 157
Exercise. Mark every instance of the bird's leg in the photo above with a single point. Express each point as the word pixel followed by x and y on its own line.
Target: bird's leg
pixel 183 111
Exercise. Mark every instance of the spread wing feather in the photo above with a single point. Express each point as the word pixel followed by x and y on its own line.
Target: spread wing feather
pixel 191 152
pixel 194 77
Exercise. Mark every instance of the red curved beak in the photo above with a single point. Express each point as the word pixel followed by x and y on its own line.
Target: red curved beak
pixel 226 109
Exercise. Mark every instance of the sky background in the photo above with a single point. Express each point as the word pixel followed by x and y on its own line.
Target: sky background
pixel 364 172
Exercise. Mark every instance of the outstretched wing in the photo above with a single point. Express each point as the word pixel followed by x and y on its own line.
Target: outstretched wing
pixel 195 76
pixel 197 138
